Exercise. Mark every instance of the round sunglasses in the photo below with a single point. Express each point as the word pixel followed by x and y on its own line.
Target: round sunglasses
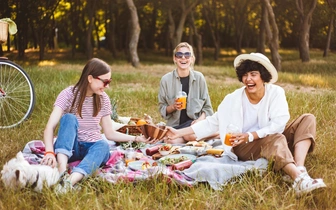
pixel 187 55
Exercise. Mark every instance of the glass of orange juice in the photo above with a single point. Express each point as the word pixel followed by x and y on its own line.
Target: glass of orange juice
pixel 230 130
pixel 130 155
pixel 182 97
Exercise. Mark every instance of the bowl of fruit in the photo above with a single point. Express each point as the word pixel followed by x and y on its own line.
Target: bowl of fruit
pixel 165 149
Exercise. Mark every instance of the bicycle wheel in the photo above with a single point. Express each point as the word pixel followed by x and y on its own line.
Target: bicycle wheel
pixel 17 96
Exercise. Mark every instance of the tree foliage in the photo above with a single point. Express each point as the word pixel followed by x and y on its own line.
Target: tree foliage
pixel 83 25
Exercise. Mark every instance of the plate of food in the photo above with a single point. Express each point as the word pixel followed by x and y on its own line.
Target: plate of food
pixel 176 158
pixel 193 150
pixel 141 164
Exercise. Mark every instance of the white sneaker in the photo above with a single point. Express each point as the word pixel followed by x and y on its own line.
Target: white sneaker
pixel 305 184
pixel 63 187
pixel 286 178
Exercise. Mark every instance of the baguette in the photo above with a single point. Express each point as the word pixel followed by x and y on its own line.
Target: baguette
pixel 215 151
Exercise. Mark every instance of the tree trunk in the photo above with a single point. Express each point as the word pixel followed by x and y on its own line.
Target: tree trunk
pixel 305 23
pixel 91 5
pixel 110 28
pixel 262 38
pixel 240 10
pixel 214 31
pixel 199 51
pixel 330 29
pixel 135 33
pixel 272 33
pixel 175 34
pixel 42 45
pixel 22 24
pixel 171 28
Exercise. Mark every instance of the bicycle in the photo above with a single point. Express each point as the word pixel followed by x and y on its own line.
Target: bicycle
pixel 17 94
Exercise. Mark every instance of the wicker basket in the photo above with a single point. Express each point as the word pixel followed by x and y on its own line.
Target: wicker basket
pixel 3 32
pixel 132 129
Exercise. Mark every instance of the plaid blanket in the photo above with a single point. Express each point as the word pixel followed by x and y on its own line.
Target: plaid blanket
pixel 216 171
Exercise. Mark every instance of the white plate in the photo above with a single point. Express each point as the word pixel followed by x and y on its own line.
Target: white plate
pixel 137 165
pixel 175 156
pixel 194 150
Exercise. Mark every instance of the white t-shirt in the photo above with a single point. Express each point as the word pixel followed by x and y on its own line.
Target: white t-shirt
pixel 250 115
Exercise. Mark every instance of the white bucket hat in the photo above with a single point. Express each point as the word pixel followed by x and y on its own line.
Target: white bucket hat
pixel 260 58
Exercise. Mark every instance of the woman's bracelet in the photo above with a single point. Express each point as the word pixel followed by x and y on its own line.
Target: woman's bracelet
pixel 50 152
pixel 135 138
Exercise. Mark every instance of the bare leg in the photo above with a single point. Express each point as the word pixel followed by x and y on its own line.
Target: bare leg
pixel 291 170
pixel 62 161
pixel 300 152
pixel 191 137
pixel 75 177
pixel 174 141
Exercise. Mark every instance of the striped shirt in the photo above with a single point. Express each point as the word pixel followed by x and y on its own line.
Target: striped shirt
pixel 89 126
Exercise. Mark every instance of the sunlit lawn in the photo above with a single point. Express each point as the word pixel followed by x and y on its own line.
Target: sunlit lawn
pixel 310 88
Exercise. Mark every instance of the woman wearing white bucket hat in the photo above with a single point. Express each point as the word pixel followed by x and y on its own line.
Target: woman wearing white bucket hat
pixel 259 110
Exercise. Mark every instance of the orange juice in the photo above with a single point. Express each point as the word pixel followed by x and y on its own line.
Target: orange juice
pixel 128 161
pixel 183 100
pixel 227 139
pixel 129 155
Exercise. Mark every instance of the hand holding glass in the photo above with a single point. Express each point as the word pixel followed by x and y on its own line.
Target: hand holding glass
pixel 231 130
pixel 182 98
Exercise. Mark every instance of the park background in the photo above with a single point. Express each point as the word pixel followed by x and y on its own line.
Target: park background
pixel 55 39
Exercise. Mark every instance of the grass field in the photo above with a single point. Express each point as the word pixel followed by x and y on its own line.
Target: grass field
pixel 310 87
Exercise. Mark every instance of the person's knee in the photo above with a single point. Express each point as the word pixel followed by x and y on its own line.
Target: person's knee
pixel 277 137
pixel 191 137
pixel 309 117
pixel 103 146
pixel 69 118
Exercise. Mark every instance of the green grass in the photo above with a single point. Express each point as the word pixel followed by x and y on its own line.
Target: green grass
pixel 310 87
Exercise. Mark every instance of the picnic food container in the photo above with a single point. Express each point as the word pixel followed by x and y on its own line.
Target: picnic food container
pixel 132 128
pixel 153 131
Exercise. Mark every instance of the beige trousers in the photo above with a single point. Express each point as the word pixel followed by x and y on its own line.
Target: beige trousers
pixel 280 147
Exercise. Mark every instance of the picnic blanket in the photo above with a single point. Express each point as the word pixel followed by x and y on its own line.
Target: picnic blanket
pixel 216 171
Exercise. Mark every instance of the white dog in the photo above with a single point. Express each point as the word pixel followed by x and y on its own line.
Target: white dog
pixel 18 173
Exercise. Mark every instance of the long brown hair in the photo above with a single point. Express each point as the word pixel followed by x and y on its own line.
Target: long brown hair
pixel 94 67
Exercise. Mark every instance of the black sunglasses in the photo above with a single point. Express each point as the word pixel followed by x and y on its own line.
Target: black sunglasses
pixel 105 81
pixel 187 55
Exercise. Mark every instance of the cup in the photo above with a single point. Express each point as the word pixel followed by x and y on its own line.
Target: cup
pixel 182 97
pixel 130 155
pixel 230 130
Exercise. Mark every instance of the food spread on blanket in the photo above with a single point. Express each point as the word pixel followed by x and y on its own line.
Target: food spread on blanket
pixel 182 165
pixel 135 145
pixel 195 148
pixel 115 169
pixel 146 165
pixel 176 158
pixel 165 147
pixel 215 152
pixel 170 161
pixel 197 144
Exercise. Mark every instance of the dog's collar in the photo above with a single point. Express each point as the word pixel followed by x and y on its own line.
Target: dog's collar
pixel 35 183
